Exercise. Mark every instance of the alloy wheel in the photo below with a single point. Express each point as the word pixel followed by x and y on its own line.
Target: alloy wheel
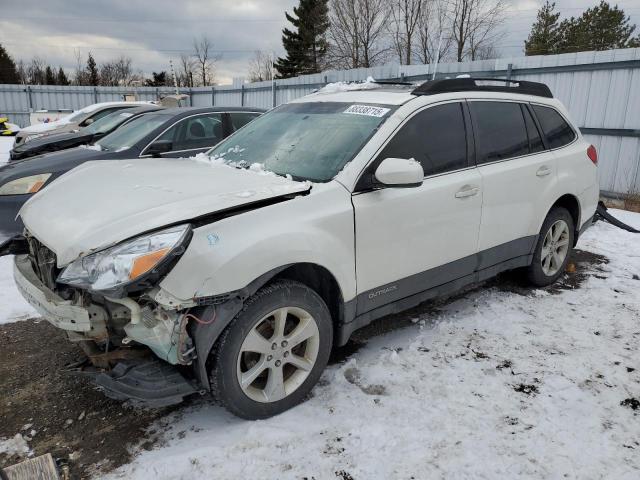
pixel 555 248
pixel 278 354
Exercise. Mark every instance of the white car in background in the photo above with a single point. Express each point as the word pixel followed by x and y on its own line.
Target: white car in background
pixel 80 118
pixel 241 271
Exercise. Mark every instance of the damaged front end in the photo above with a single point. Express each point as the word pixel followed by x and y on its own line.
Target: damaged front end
pixel 136 340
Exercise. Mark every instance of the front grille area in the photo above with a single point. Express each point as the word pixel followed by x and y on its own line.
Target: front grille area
pixel 43 261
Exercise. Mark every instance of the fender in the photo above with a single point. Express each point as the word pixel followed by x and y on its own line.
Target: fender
pixel 205 334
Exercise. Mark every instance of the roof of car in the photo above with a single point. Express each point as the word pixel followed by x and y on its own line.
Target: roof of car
pixel 185 111
pixel 142 109
pixel 366 93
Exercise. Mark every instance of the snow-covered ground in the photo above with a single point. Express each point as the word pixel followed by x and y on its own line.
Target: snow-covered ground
pixel 6 144
pixel 12 306
pixel 496 384
pixel 493 385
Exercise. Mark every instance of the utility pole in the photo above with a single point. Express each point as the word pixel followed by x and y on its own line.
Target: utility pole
pixel 173 74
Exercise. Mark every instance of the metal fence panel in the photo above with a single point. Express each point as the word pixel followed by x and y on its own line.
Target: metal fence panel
pixel 601 90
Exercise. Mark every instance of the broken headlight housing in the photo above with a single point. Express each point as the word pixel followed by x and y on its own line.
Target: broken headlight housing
pixel 128 265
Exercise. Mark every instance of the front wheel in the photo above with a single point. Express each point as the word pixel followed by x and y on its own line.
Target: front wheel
pixel 552 250
pixel 273 352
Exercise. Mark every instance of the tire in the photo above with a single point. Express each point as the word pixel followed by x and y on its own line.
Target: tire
pixel 251 356
pixel 546 267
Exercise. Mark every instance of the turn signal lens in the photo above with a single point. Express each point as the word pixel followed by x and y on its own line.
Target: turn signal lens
pixel 592 154
pixel 24 185
pixel 146 262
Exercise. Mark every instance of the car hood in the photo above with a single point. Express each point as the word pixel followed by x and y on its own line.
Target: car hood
pixel 41 143
pixel 102 203
pixel 46 127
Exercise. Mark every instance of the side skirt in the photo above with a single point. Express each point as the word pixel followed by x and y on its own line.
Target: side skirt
pixel 487 264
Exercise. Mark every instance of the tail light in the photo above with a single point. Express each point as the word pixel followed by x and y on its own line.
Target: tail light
pixel 592 154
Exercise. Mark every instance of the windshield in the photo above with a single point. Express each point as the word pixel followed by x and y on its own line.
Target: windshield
pixel 132 132
pixel 309 141
pixel 108 122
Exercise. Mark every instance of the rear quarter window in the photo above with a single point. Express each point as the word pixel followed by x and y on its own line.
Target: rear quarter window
pixel 555 128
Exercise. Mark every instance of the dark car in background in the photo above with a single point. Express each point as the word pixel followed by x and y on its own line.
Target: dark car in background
pixel 83 136
pixel 174 132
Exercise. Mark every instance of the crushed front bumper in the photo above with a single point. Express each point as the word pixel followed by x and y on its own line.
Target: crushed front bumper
pixel 53 308
pixel 148 381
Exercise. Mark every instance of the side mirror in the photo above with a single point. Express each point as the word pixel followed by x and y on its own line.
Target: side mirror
pixel 399 173
pixel 87 122
pixel 159 147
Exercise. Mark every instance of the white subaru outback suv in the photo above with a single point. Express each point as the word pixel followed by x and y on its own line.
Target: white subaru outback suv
pixel 237 272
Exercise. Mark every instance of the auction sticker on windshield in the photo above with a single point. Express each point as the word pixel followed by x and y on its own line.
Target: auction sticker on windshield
pixel 367 110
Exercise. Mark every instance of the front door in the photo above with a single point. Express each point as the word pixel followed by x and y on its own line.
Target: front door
pixel 412 239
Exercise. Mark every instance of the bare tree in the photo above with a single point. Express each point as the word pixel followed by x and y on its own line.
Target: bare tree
pixel 357 31
pixel 80 75
pixel 475 25
pixel 184 76
pixel 261 66
pixel 36 71
pixel 205 60
pixel 434 33
pixel 405 15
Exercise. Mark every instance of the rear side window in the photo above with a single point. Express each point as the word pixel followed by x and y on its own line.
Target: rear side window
pixel 240 119
pixel 435 137
pixel 555 128
pixel 500 131
pixel 535 140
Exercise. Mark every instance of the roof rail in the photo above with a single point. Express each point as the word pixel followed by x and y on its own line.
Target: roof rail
pixel 466 84
pixel 393 82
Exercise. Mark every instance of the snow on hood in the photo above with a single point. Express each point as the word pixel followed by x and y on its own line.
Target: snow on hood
pixel 46 127
pixel 104 202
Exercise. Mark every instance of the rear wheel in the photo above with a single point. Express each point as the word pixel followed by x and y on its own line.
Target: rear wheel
pixel 552 250
pixel 273 352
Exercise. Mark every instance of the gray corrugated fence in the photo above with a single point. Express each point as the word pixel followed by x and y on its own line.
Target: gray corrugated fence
pixel 600 89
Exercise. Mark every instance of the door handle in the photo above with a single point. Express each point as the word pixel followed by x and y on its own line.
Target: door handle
pixel 467 191
pixel 543 171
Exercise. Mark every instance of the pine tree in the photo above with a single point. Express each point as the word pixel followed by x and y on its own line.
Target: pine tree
pixel 8 72
pixel 544 36
pixel 306 47
pixel 49 76
pixel 61 78
pixel 92 71
pixel 598 28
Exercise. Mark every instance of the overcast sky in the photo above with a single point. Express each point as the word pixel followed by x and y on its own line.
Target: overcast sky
pixel 153 31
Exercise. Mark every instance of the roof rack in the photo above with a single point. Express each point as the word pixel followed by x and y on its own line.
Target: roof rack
pixel 466 84
pixel 393 82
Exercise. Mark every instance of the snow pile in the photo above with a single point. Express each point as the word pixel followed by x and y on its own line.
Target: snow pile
pixel 495 384
pixel 12 306
pixel 336 87
pixel 6 144
pixel 14 446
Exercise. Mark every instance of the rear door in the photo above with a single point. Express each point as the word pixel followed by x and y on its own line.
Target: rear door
pixel 518 175
pixel 412 239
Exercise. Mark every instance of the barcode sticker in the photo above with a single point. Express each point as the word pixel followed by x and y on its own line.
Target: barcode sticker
pixel 367 110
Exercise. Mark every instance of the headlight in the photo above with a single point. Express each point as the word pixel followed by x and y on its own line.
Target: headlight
pixel 127 262
pixel 20 186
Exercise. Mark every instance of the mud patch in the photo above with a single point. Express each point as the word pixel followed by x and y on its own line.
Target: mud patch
pixel 74 422
pixel 581 266
pixel 354 377
pixel 526 389
pixel 632 403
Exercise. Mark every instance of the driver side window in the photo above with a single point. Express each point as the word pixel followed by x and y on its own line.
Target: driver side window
pixel 202 131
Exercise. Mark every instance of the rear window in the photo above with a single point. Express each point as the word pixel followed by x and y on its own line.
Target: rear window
pixel 500 131
pixel 555 128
